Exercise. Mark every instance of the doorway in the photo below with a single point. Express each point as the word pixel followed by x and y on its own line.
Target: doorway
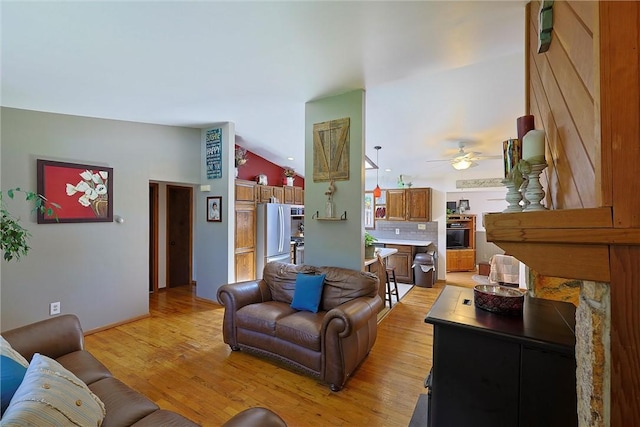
pixel 179 235
pixel 153 237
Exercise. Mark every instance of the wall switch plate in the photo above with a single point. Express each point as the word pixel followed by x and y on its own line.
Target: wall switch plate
pixel 422 226
pixel 54 308
pixel 397 231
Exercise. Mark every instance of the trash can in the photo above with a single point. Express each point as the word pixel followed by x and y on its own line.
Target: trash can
pixel 424 269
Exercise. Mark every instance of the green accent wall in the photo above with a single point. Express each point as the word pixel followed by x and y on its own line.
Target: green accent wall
pixel 336 243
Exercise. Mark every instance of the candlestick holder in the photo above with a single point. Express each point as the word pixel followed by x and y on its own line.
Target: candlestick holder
pixel 535 192
pixel 523 189
pixel 513 196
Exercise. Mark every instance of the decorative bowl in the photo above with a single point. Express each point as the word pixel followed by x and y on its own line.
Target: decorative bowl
pixel 499 299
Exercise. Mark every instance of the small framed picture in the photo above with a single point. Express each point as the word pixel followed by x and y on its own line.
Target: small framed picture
pixel 214 209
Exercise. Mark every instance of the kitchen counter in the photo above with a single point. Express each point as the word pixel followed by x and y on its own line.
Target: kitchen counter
pixel 405 242
pixel 384 252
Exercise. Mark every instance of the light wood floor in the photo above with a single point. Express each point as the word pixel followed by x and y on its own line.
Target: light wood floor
pixel 176 357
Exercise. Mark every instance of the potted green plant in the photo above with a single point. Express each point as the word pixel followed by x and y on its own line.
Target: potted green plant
pixel 369 249
pixel 13 236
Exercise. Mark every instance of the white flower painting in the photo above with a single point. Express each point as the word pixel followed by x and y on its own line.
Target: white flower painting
pixel 92 191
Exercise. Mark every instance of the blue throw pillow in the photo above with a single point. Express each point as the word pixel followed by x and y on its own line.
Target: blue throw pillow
pixel 308 292
pixel 11 378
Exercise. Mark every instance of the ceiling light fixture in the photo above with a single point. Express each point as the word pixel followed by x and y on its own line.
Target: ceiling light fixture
pixel 377 192
pixel 461 164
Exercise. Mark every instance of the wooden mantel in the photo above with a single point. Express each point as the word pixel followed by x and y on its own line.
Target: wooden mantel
pixel 569 243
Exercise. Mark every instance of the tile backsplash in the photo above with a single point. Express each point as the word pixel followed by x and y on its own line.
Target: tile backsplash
pixel 407 230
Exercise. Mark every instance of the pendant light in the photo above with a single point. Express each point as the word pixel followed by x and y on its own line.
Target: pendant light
pixel 377 192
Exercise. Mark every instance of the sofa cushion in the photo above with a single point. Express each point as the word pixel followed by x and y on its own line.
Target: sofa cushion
pixel 308 292
pixel 84 366
pixel 302 328
pixel 262 317
pixel 342 285
pixel 12 375
pixel 281 279
pixel 124 405
pixel 51 395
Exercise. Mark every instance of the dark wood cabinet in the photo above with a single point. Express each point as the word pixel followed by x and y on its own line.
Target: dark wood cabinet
pixel 402 261
pixel 408 204
pixel 496 370
pixel 396 205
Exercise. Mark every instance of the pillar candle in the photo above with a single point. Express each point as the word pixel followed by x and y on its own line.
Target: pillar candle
pixel 533 147
pixel 511 155
pixel 524 125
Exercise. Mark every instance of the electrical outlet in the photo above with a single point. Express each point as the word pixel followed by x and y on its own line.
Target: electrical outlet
pixel 422 226
pixel 397 231
pixel 54 308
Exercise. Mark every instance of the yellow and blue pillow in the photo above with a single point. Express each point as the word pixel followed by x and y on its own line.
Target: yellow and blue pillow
pixel 12 369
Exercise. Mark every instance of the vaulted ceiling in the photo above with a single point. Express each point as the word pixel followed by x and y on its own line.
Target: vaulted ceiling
pixel 435 73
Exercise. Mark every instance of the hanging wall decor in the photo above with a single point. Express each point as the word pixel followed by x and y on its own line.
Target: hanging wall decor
pixel 84 192
pixel 331 150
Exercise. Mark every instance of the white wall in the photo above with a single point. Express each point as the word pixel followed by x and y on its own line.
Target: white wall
pixel 98 271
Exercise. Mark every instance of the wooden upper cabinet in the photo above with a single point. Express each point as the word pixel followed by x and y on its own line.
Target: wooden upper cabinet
pixel 409 204
pixel 289 195
pixel 245 191
pixel 298 197
pixel 418 204
pixel 396 202
pixel 280 194
pixel 264 193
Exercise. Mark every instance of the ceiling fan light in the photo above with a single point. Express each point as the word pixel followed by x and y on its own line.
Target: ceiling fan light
pixel 461 164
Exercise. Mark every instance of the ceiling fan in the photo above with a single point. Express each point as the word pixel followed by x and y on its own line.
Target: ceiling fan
pixel 465 159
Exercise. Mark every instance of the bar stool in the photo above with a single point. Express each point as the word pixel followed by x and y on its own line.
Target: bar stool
pixel 390 274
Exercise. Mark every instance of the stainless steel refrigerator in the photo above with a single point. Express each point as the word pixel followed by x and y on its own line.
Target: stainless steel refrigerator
pixel 273 234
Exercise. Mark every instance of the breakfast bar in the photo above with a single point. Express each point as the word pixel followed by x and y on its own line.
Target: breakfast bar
pixel 373 266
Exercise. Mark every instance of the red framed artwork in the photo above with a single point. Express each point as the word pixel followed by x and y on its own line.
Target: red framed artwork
pixel 84 192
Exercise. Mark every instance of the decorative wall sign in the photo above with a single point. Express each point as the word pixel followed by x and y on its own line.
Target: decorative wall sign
pixel 214 209
pixel 545 25
pixel 331 150
pixel 213 157
pixel 479 183
pixel 84 192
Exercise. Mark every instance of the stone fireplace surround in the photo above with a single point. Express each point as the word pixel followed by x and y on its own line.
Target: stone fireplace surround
pixel 563 244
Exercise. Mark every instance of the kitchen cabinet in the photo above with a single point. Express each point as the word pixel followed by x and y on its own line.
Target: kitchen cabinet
pixel 245 191
pixel 462 259
pixel 245 230
pixel 279 194
pixel 408 204
pixel 245 241
pixel 402 261
pixel 289 195
pixel 522 372
pixel 298 196
pixel 265 192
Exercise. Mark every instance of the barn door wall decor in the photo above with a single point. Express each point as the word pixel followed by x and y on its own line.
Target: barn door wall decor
pixel 331 150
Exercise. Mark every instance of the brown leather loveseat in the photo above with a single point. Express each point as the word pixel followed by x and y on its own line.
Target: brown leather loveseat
pixel 61 338
pixel 328 345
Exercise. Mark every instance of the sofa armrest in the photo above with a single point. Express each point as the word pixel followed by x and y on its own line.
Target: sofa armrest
pixel 352 315
pixel 233 297
pixel 52 337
